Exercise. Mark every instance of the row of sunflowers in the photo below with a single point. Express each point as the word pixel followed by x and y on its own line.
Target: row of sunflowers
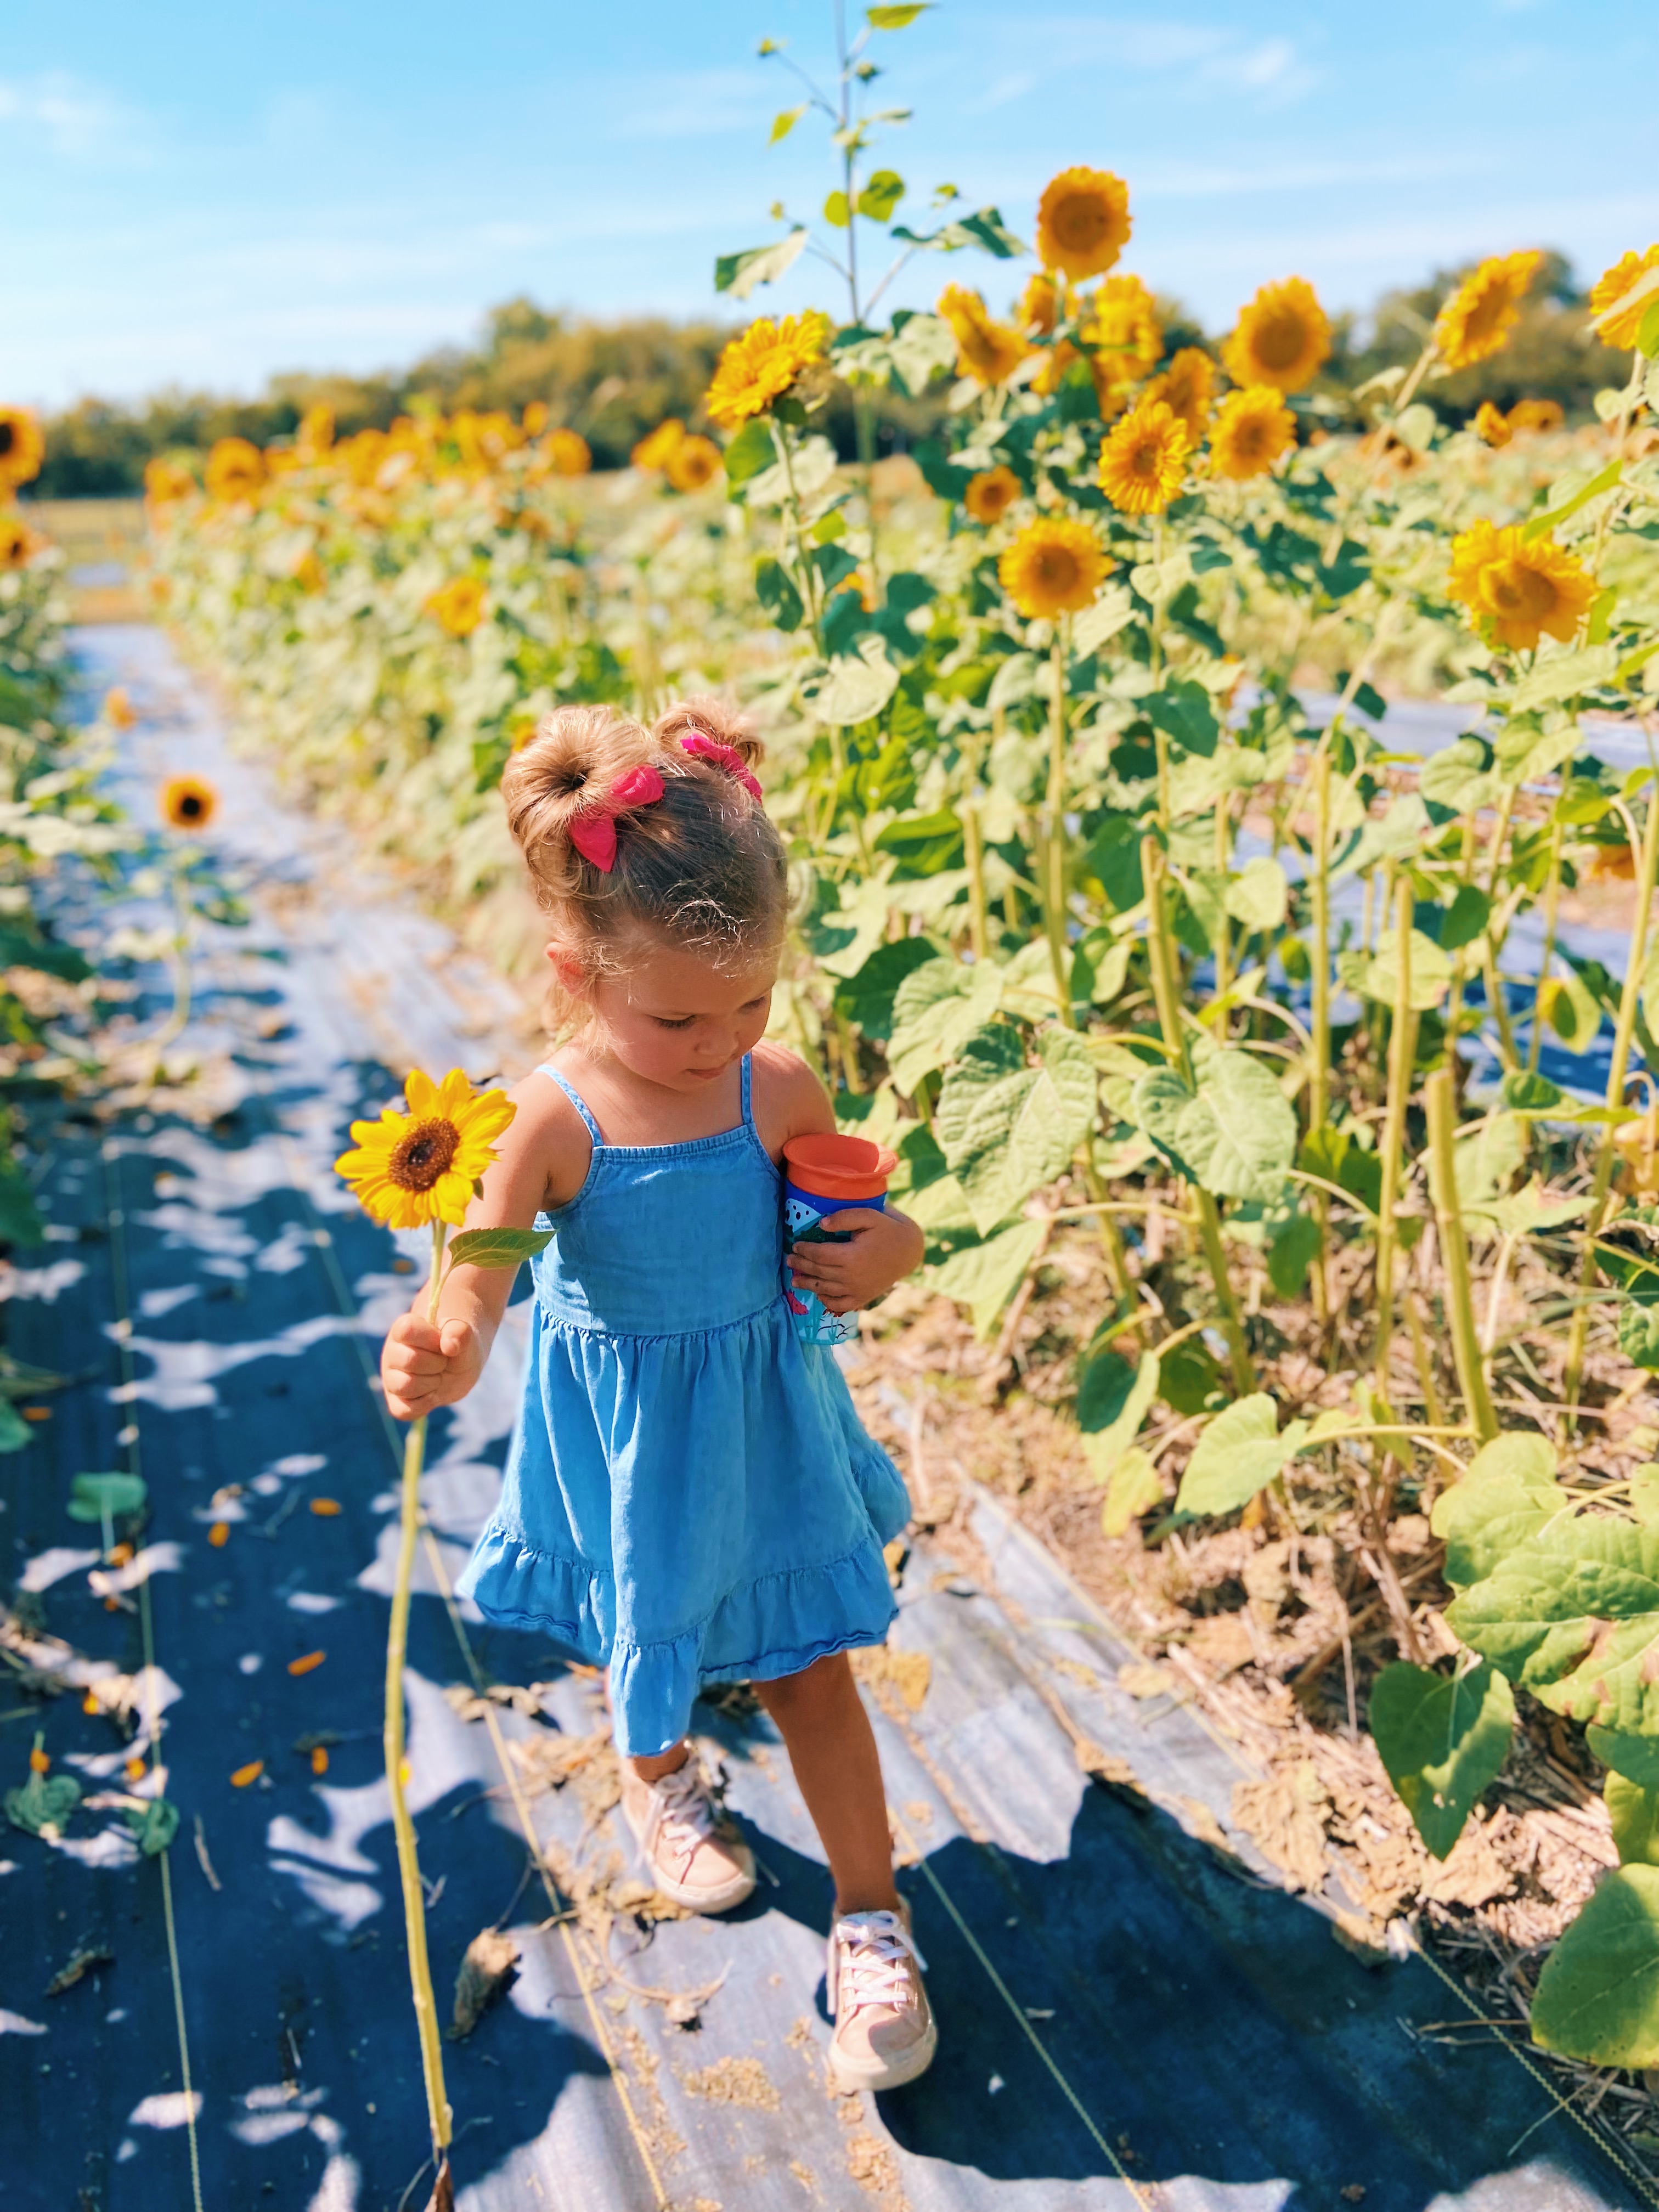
pixel 1119 915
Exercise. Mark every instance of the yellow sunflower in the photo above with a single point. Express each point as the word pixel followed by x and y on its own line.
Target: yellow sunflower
pixel 694 463
pixel 1083 222
pixel 458 604
pixel 657 447
pixel 1253 427
pixel 1536 414
pixel 1493 424
pixel 22 446
pixel 1039 305
pixel 1187 385
pixel 315 435
pixel 568 452
pixel 760 364
pixel 1054 567
pixel 1120 323
pixel 534 420
pixel 1621 331
pixel 1518 588
pixel 188 803
pixel 1476 321
pixel 1143 461
pixel 166 481
pixel 991 494
pixel 235 469
pixel 992 351
pixel 1283 337
pixel 364 455
pixel 410 1170
pixel 18 543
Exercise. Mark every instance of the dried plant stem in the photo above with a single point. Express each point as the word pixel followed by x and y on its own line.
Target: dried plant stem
pixel 409 1868
pixel 973 840
pixel 1455 1255
pixel 1053 898
pixel 1402 1054
pixel 1607 1156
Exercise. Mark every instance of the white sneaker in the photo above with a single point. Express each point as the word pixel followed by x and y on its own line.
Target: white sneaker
pixel 690 1853
pixel 884 2030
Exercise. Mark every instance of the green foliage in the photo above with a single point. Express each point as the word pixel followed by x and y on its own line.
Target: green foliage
pixel 496 1247
pixel 1007 1127
pixel 1443 1738
pixel 1598 1996
pixel 98 1497
pixel 1232 1132
pixel 1240 1452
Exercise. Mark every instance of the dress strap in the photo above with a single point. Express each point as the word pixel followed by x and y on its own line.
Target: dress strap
pixel 580 1103
pixel 748 1104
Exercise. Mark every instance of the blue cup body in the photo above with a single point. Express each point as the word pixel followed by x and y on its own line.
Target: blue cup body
pixel 803 1210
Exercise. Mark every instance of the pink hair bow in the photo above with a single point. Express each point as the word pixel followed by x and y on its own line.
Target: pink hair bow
pixel 725 756
pixel 593 831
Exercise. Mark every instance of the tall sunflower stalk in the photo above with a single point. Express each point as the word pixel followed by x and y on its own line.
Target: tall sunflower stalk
pixel 410 1171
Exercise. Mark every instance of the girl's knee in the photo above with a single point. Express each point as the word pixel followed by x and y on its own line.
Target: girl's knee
pixel 824 1681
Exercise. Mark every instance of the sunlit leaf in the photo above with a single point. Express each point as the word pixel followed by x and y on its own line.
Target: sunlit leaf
pixel 739 273
pixel 1443 1739
pixel 1597 1998
pixel 1008 1127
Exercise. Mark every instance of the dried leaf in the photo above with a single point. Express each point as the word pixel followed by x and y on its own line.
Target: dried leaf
pixel 488 1969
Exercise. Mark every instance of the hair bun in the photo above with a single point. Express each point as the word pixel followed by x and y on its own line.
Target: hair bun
pixel 575 755
pixel 718 718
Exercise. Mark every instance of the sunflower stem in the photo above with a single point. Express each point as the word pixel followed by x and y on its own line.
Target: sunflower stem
pixel 420 1971
pixel 1054 900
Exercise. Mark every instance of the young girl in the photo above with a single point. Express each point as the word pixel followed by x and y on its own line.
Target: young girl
pixel 690 1497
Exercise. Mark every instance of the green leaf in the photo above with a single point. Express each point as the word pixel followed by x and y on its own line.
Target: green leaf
pixel 921 348
pixel 936 1009
pixel 1234 1136
pixel 858 687
pixel 1292 1249
pixel 44 1803
pixel 1430 971
pixel 1239 1453
pixel 881 195
pixel 1485 1158
pixel 984 1277
pixel 837 210
pixel 1507 1493
pixel 1572 1613
pixel 1530 1212
pixel 775 588
pixel 1635 1757
pixel 106 1497
pixel 782 124
pixel 1524 1093
pixel 1443 1740
pixel 1007 1128
pixel 1132 1488
pixel 1564 676
pixel 1257 896
pixel 1186 713
pixel 497 1248
pixel 154 1826
pixel 751 450
pixel 1465 919
pixel 1113 1400
pixel 739 273
pixel 15 1430
pixel 20 1216
pixel 1603 480
pixel 1569 1006
pixel 869 998
pixel 898 18
pixel 1458 778
pixel 1598 1996
pixel 1635 1814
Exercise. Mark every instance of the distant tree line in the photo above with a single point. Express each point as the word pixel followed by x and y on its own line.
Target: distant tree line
pixel 615 382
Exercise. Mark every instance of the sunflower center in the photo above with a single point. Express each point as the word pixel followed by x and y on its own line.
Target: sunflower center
pixel 422 1158
pixel 1518 591
pixel 1280 338
pixel 1146 458
pixel 1057 569
pixel 7 436
pixel 190 807
pixel 1080 224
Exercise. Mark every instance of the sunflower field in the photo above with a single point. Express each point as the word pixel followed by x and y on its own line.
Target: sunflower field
pixel 1209 1024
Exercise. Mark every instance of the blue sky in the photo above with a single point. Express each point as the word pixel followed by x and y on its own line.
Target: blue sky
pixel 203 195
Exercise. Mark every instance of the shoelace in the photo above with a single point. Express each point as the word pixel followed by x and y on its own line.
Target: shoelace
pixel 869 1955
pixel 682 1817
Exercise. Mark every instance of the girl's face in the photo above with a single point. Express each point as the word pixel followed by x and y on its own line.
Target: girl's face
pixel 677 1020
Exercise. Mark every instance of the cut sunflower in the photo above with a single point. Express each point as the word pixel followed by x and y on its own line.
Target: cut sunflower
pixel 1621 331
pixel 188 803
pixel 235 469
pixel 458 607
pixel 657 448
pixel 22 446
pixel 694 463
pixel 1253 428
pixel 1054 567
pixel 1519 589
pixel 1083 222
pixel 411 1169
pixel 1476 321
pixel 1143 462
pixel 758 367
pixel 1283 337
pixel 989 350
pixel 1491 424
pixel 1187 385
pixel 991 494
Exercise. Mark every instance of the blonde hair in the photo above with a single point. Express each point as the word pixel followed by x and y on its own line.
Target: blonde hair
pixel 702 868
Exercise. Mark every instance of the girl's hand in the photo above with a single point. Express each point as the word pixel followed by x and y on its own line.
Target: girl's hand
pixel 885 1248
pixel 423 1366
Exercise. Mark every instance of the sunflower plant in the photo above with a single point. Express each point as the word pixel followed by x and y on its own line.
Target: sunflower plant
pixel 411 1170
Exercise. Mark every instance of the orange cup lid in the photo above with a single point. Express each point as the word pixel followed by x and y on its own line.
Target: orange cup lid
pixel 839 1167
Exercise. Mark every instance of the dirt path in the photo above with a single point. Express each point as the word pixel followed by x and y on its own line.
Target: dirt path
pixel 1135 2013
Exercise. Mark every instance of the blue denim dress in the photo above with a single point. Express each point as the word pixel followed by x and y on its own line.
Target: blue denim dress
pixel 690 1497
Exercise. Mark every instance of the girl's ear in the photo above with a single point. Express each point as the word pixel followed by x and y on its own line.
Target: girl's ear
pixel 567 966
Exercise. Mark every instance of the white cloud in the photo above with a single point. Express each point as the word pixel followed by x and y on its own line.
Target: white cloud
pixel 72 119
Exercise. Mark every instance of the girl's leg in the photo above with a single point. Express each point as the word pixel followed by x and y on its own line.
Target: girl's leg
pixel 832 1748
pixel 662 1762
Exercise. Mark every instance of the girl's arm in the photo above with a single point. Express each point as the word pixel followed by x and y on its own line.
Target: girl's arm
pixel 543 1160
pixel 885 1247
